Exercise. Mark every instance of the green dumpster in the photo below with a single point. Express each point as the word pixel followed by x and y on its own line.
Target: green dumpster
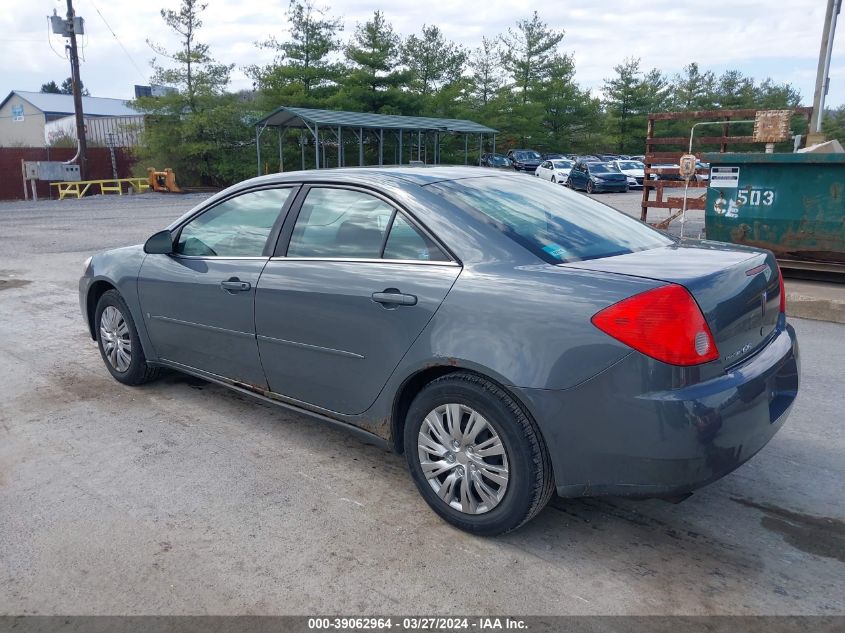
pixel 791 204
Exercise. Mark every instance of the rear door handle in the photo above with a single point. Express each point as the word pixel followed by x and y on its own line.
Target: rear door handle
pixel 235 285
pixel 392 297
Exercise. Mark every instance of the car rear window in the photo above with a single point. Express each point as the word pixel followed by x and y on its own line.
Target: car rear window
pixel 556 225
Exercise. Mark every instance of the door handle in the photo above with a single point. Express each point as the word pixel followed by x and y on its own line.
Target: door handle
pixel 392 297
pixel 235 285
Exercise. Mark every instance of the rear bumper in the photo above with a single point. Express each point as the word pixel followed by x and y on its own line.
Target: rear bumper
pixel 609 437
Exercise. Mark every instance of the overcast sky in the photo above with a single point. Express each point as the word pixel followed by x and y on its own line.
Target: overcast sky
pixel 761 38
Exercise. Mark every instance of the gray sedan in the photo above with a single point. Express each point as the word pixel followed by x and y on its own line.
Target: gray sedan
pixel 511 338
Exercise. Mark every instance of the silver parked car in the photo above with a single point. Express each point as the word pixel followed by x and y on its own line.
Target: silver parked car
pixel 512 338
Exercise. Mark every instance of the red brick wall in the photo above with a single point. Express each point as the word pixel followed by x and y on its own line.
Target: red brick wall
pixel 99 166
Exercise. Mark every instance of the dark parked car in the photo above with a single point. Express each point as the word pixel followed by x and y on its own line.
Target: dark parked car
pixel 525 159
pixel 553 156
pixel 597 178
pixel 513 339
pixel 495 160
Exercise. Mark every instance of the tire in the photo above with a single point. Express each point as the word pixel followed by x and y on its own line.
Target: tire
pixel 568 183
pixel 590 187
pixel 524 459
pixel 118 324
pixel 554 179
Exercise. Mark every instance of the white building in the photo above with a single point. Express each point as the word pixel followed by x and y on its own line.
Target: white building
pixel 38 119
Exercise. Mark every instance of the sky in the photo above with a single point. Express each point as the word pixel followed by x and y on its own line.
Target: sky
pixel 772 38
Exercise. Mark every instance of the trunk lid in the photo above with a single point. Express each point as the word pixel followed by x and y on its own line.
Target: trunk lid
pixel 737 289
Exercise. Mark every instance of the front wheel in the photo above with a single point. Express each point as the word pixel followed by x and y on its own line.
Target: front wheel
pixel 554 179
pixel 590 187
pixel 118 341
pixel 475 457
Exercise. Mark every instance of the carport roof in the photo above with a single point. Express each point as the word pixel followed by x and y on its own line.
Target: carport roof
pixel 305 117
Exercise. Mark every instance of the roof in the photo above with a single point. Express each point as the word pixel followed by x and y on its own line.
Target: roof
pixel 298 117
pixel 391 174
pixel 51 103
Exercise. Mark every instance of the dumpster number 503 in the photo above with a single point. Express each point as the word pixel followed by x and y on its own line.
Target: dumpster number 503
pixel 755 197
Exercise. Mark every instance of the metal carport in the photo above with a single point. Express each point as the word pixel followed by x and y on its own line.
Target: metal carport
pixel 333 123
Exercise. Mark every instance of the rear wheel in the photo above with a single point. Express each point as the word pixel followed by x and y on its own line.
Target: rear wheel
pixel 554 179
pixel 590 187
pixel 474 455
pixel 118 341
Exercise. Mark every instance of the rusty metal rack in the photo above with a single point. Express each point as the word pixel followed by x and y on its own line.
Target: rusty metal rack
pixel 655 157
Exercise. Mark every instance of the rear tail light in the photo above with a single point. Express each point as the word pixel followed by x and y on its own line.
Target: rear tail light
pixel 664 323
pixel 782 292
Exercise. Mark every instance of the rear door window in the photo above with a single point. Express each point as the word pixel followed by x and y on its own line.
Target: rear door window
pixel 555 225
pixel 406 242
pixel 340 223
pixel 351 224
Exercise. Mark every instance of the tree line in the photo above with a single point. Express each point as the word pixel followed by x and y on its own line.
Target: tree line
pixel 520 82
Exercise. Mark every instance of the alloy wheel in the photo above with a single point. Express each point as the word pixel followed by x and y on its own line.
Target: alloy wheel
pixel 115 338
pixel 463 458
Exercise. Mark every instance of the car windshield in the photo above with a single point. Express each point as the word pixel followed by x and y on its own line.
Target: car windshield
pixel 528 156
pixel 629 164
pixel 554 224
pixel 602 168
pixel 562 164
pixel 497 160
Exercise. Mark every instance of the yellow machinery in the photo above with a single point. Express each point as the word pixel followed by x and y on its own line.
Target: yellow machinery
pixel 79 188
pixel 164 181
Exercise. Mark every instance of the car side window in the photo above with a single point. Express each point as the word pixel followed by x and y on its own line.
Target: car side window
pixel 406 242
pixel 340 223
pixel 237 227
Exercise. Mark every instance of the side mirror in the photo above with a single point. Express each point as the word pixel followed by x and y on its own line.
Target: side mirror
pixel 159 244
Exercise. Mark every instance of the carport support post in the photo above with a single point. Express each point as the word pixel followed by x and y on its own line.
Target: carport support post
pixel 400 147
pixel 419 144
pixel 494 143
pixel 380 147
pixel 360 147
pixel 317 146
pixel 339 147
pixel 258 149
pixel 466 149
pixel 302 149
pixel 480 147
pixel 281 155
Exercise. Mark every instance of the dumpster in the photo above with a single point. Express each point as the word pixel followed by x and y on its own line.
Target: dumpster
pixel 791 204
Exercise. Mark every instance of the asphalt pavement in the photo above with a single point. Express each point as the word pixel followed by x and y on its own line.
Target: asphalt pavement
pixel 181 497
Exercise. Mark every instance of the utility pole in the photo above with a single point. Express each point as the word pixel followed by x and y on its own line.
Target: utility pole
pixel 822 79
pixel 77 93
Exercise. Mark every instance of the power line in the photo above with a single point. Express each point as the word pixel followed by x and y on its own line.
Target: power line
pixel 50 42
pixel 117 39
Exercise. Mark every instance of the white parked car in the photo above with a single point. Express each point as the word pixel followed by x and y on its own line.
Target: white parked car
pixel 556 170
pixel 634 169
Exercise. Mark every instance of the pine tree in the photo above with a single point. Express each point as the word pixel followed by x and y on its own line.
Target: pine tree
pixel 195 72
pixel 374 81
pixel 302 72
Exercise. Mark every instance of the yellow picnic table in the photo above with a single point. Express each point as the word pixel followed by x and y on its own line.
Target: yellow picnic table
pixel 79 188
